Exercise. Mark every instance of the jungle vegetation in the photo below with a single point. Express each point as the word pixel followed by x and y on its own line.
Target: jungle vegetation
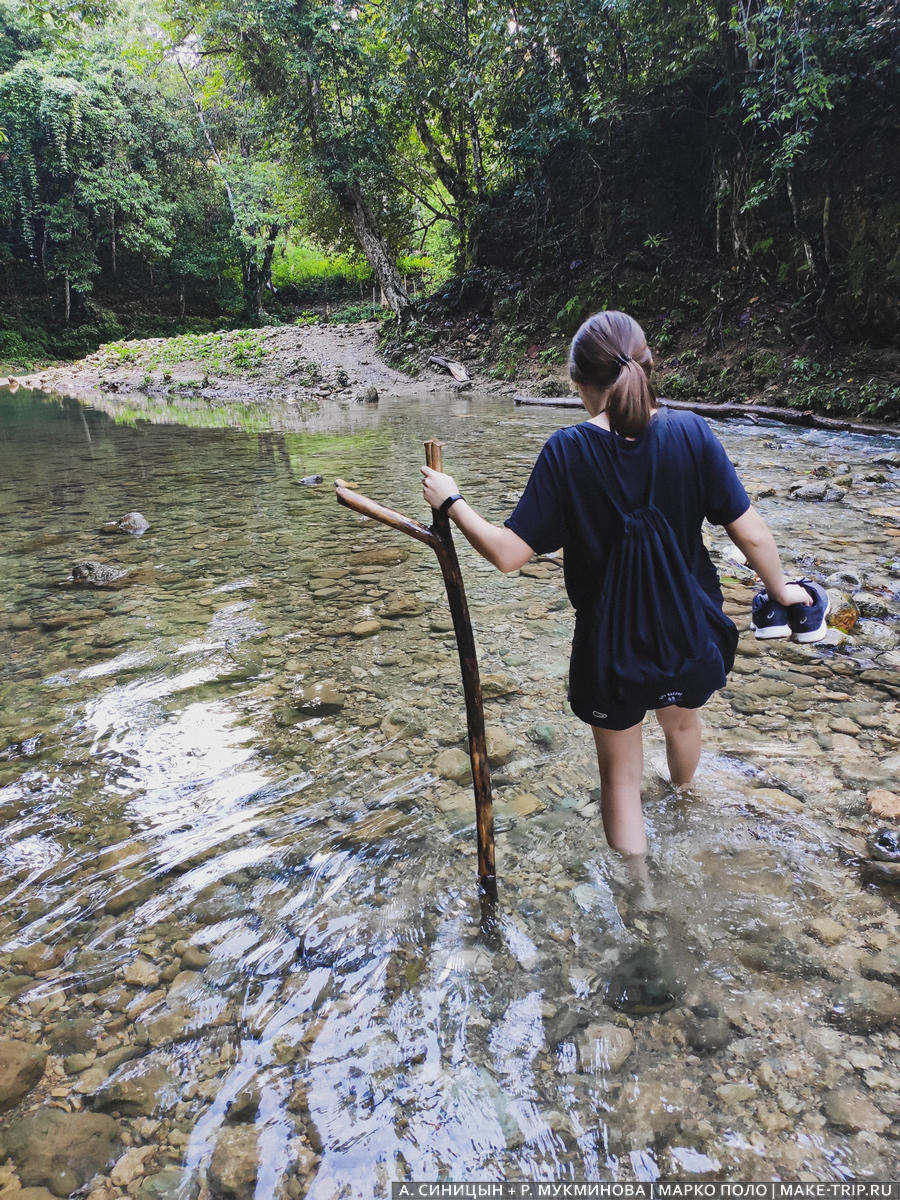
pixel 169 159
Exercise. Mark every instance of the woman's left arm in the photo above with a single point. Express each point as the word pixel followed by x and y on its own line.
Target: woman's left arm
pixel 497 543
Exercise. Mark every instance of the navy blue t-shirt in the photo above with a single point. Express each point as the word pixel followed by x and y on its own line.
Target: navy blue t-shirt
pixel 565 502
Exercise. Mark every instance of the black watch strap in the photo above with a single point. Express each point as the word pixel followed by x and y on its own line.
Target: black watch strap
pixel 448 502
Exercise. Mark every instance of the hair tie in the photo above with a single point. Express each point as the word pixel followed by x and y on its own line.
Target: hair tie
pixel 622 359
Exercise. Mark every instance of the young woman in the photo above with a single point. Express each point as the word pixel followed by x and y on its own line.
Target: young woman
pixel 565 504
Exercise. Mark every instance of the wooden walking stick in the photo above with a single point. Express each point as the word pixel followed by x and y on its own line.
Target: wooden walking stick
pixel 440 539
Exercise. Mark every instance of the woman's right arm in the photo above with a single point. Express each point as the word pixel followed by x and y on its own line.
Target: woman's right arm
pixel 753 538
pixel 498 544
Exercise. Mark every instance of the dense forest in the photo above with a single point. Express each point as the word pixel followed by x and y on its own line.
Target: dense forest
pixel 714 166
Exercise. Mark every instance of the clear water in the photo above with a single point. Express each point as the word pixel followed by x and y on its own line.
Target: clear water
pixel 165 793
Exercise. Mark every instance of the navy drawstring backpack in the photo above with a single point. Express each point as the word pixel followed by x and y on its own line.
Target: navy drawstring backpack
pixel 652 635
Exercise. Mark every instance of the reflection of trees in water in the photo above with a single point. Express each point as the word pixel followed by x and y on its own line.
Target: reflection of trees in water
pixel 271 448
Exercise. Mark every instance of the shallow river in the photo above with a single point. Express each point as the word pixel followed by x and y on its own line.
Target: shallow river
pixel 247 930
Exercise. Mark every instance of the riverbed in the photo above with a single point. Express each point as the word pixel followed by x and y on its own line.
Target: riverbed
pixel 240 926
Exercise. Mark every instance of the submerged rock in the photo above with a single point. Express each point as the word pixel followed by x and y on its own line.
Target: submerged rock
pixel 862 1005
pixel 96 574
pixel 318 699
pixel 60 1150
pixel 234 1164
pixel 21 1066
pixel 604 1047
pixel 141 1088
pixel 849 1108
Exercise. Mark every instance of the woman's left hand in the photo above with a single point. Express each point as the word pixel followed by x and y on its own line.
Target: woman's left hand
pixel 436 486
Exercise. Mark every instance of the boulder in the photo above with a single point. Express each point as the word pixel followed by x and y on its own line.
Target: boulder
pixel 21 1066
pixel 59 1150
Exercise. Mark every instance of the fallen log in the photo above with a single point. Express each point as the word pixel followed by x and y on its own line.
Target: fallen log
pixel 456 369
pixel 755 412
pixel 438 536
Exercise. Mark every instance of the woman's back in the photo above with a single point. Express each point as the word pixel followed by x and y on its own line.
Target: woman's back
pixel 585 473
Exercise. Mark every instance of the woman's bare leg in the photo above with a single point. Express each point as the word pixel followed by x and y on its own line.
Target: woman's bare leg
pixel 620 757
pixel 683 735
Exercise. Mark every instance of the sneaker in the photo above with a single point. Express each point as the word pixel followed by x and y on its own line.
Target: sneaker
pixel 768 618
pixel 807 621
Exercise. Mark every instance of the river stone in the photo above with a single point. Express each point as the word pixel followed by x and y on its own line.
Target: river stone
pixel 706 1034
pixel 884 966
pixel 130 1166
pixel 142 973
pixel 497 684
pixel 185 986
pixel 95 574
pixel 234 1164
pixel 21 1066
pixel 60 1150
pixel 884 804
pixel 604 1047
pixel 32 1193
pixel 455 765
pixel 843 614
pixel 849 1108
pixel 132 523
pixel 405 720
pixel 381 556
pixel 500 746
pixel 876 633
pixel 826 931
pixel 398 605
pixel 195 959
pixel 166 1184
pixel 141 1089
pixel 320 699
pixel 861 1005
pixel 870 605
pixel 37 957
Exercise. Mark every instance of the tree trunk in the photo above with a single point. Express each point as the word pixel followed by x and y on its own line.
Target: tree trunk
pixel 68 294
pixel 374 247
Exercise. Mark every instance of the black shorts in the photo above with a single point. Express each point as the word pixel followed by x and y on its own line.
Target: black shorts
pixel 620 717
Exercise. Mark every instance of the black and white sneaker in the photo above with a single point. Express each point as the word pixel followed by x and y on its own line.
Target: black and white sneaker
pixel 768 618
pixel 807 621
